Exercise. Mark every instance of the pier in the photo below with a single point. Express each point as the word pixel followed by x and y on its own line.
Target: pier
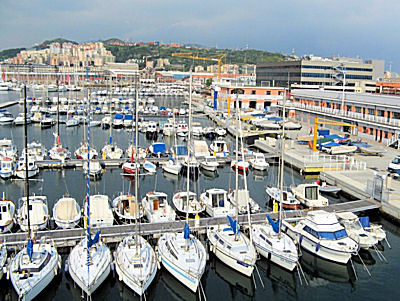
pixel 116 233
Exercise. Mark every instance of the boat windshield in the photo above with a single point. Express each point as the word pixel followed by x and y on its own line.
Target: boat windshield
pixel 333 235
pixel 311 193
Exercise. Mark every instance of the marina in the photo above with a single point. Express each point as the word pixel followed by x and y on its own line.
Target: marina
pixel 68 177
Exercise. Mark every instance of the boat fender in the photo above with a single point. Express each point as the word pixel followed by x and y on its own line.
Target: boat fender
pixel 317 247
pixel 300 239
pixel 66 268
pixel 112 266
pixel 55 271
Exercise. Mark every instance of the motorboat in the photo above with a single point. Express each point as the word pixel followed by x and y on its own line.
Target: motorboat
pixel 118 121
pixel 216 203
pixel 182 129
pixel 126 209
pixel 291 125
pixel 258 162
pixel 242 166
pixel 36 150
pixel 325 188
pixel 308 194
pixel 7 167
pixel 33 169
pixel 94 123
pixel 131 167
pixel 66 212
pixel 112 151
pixel 321 234
pixel 289 201
pixel 7 148
pixel 191 165
pixel 274 245
pixel 220 131
pixel 182 205
pixel 375 230
pixel 81 152
pixel 158 149
pixel 47 122
pixel 128 120
pixel 7 215
pixel 95 169
pixel 100 213
pixel 20 119
pixel 149 166
pixel 38 213
pixel 156 207
pixel 184 256
pixel 172 166
pixel 168 129
pixel 151 130
pixel 3 258
pixel 135 263
pixel 209 133
pixel 71 122
pixel 232 247
pixel 355 230
pixel 106 122
pixel 197 131
pixel 342 149
pixel 33 269
pixel 6 117
pixel 209 163
pixel 243 197
pixel 219 148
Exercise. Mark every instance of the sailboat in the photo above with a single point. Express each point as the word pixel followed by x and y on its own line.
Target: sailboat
pixel 89 262
pixel 182 254
pixel 229 244
pixel 268 238
pixel 135 259
pixel 172 166
pixel 35 266
pixel 111 150
pixel 58 152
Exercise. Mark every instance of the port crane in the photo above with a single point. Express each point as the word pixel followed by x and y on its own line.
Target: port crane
pixel 328 122
pixel 191 55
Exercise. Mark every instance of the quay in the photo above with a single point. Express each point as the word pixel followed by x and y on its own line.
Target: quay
pixel 8 104
pixel 116 233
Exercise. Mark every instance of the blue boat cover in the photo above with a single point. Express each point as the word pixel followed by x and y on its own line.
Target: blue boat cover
pixel 274 118
pixel 275 225
pixel 29 248
pixel 330 144
pixel 159 148
pixel 323 132
pixel 128 117
pixel 335 136
pixel 180 150
pixel 119 116
pixel 162 108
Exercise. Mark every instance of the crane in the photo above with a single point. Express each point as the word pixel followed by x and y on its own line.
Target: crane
pixel 191 55
pixel 325 121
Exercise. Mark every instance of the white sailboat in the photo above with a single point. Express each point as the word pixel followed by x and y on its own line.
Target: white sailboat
pixel 182 254
pixel 173 166
pixel 89 262
pixel 268 238
pixel 228 243
pixel 34 267
pixel 135 260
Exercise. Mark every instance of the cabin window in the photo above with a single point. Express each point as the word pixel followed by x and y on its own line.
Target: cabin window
pixel 311 193
pixel 333 235
pixel 3 208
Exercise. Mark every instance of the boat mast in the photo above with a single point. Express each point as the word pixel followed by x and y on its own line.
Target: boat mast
pixel 137 226
pixel 236 169
pixel 282 161
pixel 26 164
pixel 58 107
pixel 88 237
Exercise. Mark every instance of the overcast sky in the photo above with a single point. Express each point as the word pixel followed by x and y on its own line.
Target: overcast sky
pixel 365 28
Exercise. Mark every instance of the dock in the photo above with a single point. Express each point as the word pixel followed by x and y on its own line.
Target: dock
pixel 116 233
pixel 8 104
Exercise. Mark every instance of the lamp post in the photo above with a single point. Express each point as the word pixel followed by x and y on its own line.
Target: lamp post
pixel 344 84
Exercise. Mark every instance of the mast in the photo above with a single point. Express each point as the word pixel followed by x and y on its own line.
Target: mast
pixel 282 161
pixel 26 165
pixel 58 108
pixel 137 226
pixel 236 169
pixel 188 147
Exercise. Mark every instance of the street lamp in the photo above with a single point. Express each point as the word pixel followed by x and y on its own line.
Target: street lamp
pixel 344 84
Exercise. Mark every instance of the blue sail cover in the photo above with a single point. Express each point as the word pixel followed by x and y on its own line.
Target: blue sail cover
pixel 365 221
pixel 159 148
pixel 180 150
pixel 275 225
pixel 110 140
pixel 186 231
pixel 29 248
pixel 95 240
pixel 234 225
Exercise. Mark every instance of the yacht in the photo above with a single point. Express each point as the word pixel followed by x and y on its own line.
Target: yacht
pixel 321 234
pixel 258 162
pixel 156 207
pixel 219 148
pixel 7 149
pixel 125 208
pixel 309 195
pixel 289 201
pixel 100 213
pixel 33 169
pixel 7 215
pixel 6 117
pixel 193 207
pixel 20 119
pixel 7 167
pixel 243 198
pixel 216 203
pixel 209 163
pixel 38 213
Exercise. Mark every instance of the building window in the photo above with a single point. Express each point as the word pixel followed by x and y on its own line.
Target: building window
pixel 253 92
pixel 268 93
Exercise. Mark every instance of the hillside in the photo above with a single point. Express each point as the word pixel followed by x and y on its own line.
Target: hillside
pixel 153 52
pixel 8 53
pixel 46 43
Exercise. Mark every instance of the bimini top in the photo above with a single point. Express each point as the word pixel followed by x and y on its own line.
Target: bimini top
pixel 321 220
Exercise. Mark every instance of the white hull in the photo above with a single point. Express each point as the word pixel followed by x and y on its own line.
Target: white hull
pixel 35 227
pixel 242 268
pixel 173 169
pixel 208 167
pixel 31 173
pixel 67 224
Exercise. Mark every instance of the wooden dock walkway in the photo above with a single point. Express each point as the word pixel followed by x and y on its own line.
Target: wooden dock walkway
pixel 115 233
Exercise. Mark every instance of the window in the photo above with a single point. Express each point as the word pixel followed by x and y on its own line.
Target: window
pixel 268 93
pixel 253 92
pixel 311 193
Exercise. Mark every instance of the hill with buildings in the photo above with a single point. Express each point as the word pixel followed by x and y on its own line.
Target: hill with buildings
pixel 8 53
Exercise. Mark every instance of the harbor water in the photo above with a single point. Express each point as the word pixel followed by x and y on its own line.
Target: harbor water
pixel 326 281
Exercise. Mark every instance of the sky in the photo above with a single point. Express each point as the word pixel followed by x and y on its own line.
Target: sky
pixel 364 28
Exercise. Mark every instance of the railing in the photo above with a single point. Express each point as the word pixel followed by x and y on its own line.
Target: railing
pixel 331 162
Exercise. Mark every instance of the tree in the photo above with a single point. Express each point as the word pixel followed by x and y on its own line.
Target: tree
pixel 208 82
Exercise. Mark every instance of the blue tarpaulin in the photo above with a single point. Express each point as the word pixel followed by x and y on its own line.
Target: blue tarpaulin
pixel 274 118
pixel 335 137
pixel 275 225
pixel 365 221
pixel 159 148
pixel 215 99
pixel 330 144
pixel 180 150
pixel 323 132
pixel 119 116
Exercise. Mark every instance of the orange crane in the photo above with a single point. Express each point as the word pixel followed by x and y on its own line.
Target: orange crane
pixel 325 121
pixel 190 55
